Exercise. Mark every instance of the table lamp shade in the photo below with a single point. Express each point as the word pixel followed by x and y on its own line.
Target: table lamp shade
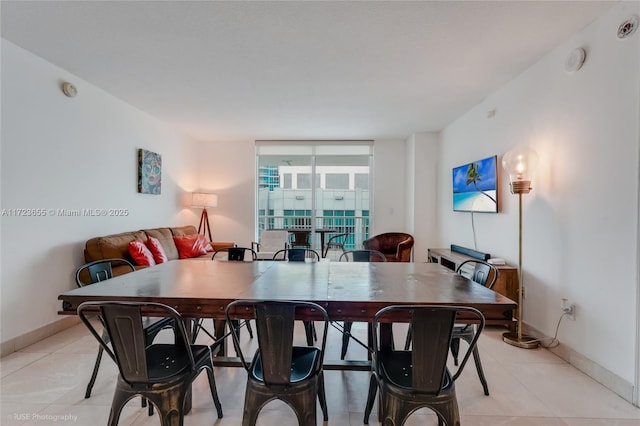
pixel 204 200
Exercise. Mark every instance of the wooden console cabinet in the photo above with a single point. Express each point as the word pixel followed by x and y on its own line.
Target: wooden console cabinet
pixel 506 284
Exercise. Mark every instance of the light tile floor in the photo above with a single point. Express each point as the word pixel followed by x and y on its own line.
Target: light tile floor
pixel 44 384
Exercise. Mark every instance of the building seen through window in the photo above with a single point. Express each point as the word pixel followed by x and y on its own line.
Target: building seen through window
pixel 336 197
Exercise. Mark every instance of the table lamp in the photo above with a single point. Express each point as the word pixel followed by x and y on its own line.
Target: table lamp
pixel 520 164
pixel 204 200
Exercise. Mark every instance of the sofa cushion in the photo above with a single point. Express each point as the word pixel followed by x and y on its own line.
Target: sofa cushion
pixel 192 246
pixel 141 254
pixel 165 237
pixel 112 246
pixel 157 250
pixel 184 230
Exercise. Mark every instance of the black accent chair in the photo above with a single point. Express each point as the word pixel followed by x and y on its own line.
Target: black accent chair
pixel 159 373
pixel 409 380
pixel 335 242
pixel 101 270
pixel 236 253
pixel 485 274
pixel 280 370
pixel 356 256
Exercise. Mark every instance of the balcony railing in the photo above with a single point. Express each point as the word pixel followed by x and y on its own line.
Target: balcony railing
pixel 356 226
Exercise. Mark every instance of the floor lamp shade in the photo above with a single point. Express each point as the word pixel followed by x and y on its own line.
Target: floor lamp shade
pixel 520 164
pixel 204 200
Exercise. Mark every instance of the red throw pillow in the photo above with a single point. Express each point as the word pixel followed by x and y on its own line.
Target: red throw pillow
pixel 141 254
pixel 156 250
pixel 192 246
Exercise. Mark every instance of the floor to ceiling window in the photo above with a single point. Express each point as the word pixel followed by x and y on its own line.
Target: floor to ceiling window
pixel 323 187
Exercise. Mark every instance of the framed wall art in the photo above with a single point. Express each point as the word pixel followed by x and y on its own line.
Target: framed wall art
pixel 149 172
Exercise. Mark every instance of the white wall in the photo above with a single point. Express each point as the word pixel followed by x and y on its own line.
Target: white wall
pixel 72 153
pixel 580 220
pixel 389 187
pixel 422 162
pixel 228 169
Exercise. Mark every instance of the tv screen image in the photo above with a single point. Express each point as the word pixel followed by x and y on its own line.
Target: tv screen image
pixel 475 186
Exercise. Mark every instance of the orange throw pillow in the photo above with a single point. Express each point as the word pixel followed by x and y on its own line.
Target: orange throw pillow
pixel 156 250
pixel 192 246
pixel 140 253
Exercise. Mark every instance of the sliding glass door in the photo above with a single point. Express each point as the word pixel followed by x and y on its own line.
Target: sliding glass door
pixel 323 188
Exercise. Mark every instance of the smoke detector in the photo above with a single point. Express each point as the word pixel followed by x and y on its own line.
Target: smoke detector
pixel 575 60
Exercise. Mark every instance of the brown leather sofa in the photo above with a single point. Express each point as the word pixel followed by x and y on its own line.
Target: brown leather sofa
pixel 116 246
pixel 396 246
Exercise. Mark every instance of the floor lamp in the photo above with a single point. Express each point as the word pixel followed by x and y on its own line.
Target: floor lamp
pixel 204 200
pixel 520 164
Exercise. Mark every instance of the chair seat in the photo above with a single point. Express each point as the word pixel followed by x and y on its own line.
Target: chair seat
pixel 153 325
pixel 168 360
pixel 304 362
pixel 397 369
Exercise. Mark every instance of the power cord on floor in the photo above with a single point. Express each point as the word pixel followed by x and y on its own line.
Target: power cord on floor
pixel 554 340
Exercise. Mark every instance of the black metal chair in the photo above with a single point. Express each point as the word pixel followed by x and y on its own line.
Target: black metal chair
pixel 101 270
pixel 236 253
pixel 301 255
pixel 362 256
pixel 297 254
pixel 335 242
pixel 300 238
pixel 356 256
pixel 485 274
pixel 409 380
pixel 280 370
pixel 159 373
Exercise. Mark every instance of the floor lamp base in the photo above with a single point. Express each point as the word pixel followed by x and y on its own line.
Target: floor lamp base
pixel 524 341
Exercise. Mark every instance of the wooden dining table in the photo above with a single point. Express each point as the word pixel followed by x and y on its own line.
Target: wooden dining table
pixel 349 291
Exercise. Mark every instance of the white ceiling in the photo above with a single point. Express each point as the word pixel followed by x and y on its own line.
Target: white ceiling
pixel 242 70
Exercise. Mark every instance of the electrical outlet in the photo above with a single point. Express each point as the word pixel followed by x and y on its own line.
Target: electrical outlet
pixel 568 308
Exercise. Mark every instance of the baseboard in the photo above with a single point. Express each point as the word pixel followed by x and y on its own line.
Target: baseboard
pixel 24 340
pixel 608 379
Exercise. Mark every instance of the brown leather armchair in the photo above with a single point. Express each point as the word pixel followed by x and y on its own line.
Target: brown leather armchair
pixel 396 246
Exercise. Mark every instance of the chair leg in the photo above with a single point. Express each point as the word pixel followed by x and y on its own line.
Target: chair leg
pixel 94 374
pixel 214 392
pixel 345 338
pixel 117 403
pixel 249 329
pixel 322 397
pixel 407 343
pixel 373 387
pixel 455 349
pixel 483 380
pixel 308 331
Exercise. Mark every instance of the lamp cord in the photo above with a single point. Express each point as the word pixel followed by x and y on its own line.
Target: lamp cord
pixel 473 230
pixel 554 340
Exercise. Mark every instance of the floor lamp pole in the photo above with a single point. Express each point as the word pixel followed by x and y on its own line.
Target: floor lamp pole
pixel 204 223
pixel 518 339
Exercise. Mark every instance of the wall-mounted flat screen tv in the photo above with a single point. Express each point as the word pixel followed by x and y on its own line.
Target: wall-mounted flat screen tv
pixel 475 186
